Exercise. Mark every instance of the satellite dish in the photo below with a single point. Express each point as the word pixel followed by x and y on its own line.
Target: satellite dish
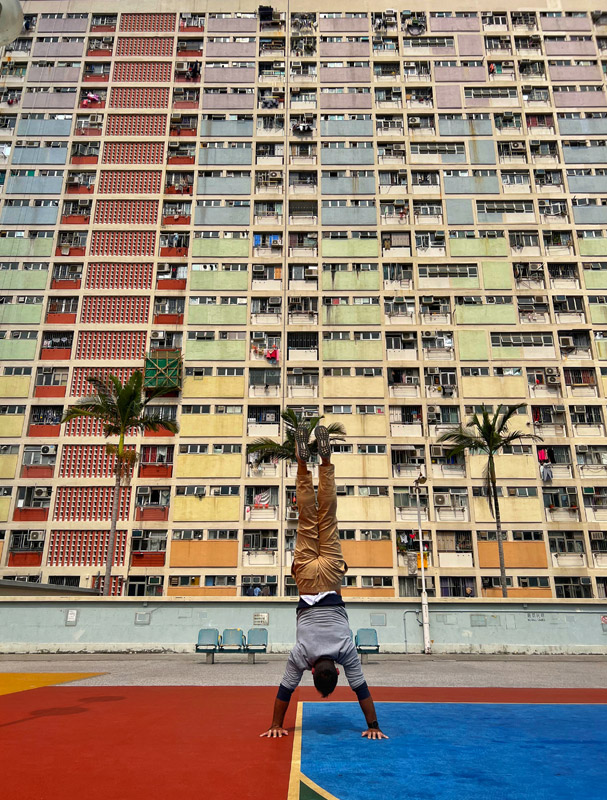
pixel 11 21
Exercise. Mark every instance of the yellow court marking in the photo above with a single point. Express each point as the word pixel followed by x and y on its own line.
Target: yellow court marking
pixel 297 778
pixel 11 682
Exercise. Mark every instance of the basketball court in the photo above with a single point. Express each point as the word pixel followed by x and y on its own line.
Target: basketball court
pixel 60 739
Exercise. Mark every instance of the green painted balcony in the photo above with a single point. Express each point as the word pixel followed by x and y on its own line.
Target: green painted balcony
pixel 354 350
pixel 593 278
pixel 20 314
pixel 220 248
pixel 350 281
pixel 211 350
pixel 18 349
pixel 218 281
pixel 217 315
pixel 478 247
pixel 351 315
pixel 485 315
pixel 349 248
pixel 23 279
pixel 593 247
pixel 22 246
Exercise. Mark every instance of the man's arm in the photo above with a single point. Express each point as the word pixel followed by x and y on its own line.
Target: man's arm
pixel 276 731
pixel 368 709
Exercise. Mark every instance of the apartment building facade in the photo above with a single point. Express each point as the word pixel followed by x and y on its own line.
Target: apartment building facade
pixel 293 207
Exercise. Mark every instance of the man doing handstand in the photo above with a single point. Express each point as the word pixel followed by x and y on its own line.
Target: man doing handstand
pixel 323 630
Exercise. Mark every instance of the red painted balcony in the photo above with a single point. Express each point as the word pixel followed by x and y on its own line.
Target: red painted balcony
pixel 168 319
pixel 152 513
pixel 92 104
pixel 195 52
pixel 84 159
pixel 184 77
pixel 144 559
pixel 60 319
pixel 103 28
pixel 171 284
pixel 174 251
pixel 180 160
pixel 155 470
pixel 183 188
pixel 182 132
pixel 185 103
pixel 37 471
pixel 30 514
pixel 76 219
pixel 176 220
pixel 62 250
pixel 41 431
pixel 64 284
pixel 76 188
pixel 87 131
pixel 50 391
pixel 96 78
pixel 25 559
pixel 159 432
pixel 55 353
pixel 185 28
pixel 99 53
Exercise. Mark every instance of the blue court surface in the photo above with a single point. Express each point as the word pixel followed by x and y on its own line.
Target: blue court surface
pixel 455 751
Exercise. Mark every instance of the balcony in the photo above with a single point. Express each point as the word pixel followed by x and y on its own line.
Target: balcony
pixel 403 429
pixel 455 560
pixel 259 512
pixel 560 514
pixel 37 471
pixel 569 560
pixel 155 470
pixel 31 514
pixel 152 513
pixel 264 391
pixel 146 558
pixel 263 471
pixel 409 514
pixel 451 513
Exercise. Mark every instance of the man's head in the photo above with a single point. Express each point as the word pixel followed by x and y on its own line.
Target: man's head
pixel 325 675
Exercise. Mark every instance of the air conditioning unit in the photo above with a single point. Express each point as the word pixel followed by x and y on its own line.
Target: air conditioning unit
pixel 310 273
pixel 566 342
pixel 96 118
pixel 216 491
pixel 579 409
pixel 36 536
pixel 297 371
pixel 173 145
pixel 341 490
pixel 585 581
pixel 436 450
pixel 551 370
pixel 427 335
pixel 21 299
pixel 258 336
pixel 596 536
pixel 155 580
pixel 582 448
pixel 158 335
pixel 274 301
pixel 274 174
pixel 433 410
pixel 517 147
pixel 48 449
pixel 512 492
pixel 42 491
pixel 163 269
pixel 293 513
pixel 441 499
pixel 176 119
pixel 552 380
pixel 181 66
pixel 414 122
pixel 258 268
pixel 144 490
pixel 107 39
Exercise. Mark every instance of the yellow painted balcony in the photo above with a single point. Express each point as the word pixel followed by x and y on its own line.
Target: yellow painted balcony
pixel 12 425
pixel 193 553
pixel 8 466
pixel 512 509
pixel 510 386
pixel 517 555
pixel 368 554
pixel 368 591
pixel 211 425
pixel 14 385
pixel 354 386
pixel 5 504
pixel 361 466
pixel 363 509
pixel 208 465
pixel 187 508
pixel 201 591
pixel 506 466
pixel 360 424
pixel 214 386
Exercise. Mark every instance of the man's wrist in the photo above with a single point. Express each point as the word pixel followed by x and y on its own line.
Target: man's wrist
pixel 373 725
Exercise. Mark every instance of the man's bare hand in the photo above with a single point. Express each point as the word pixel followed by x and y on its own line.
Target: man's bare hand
pixel 374 733
pixel 275 732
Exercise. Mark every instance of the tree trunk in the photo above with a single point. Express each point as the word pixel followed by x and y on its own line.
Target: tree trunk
pixel 111 547
pixel 500 544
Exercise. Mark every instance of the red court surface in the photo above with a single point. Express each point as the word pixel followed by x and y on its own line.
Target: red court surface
pixel 169 742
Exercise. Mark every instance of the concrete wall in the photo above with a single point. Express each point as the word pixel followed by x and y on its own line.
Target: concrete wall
pixel 125 625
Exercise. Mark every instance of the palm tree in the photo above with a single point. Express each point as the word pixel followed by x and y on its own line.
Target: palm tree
pixel 267 448
pixel 489 435
pixel 121 409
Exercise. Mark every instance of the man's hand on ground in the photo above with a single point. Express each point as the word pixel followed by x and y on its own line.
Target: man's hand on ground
pixel 374 733
pixel 275 732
